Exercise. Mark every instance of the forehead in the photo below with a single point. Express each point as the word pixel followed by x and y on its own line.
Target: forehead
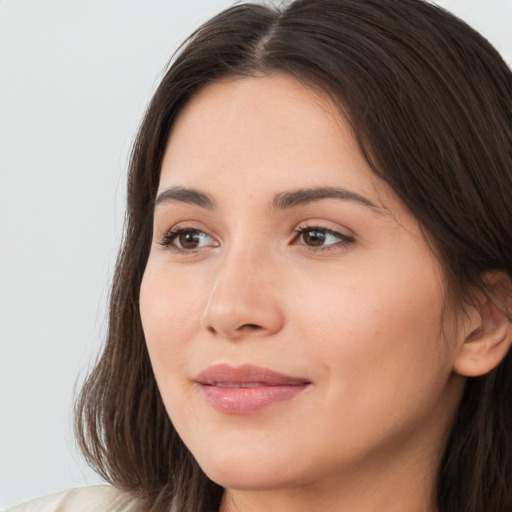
pixel 265 134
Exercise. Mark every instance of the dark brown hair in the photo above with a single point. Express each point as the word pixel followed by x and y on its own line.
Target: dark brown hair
pixel 430 103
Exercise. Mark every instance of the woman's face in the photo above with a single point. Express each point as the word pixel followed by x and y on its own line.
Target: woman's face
pixel 293 312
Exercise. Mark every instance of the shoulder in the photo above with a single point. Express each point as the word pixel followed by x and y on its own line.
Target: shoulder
pixel 101 498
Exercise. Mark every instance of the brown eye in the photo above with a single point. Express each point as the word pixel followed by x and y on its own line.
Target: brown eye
pixel 186 239
pixel 314 237
pixel 189 239
pixel 322 238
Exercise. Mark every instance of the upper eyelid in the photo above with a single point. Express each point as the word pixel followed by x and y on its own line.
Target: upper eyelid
pixel 194 225
pixel 325 225
pixel 333 232
pixel 189 224
pixel 180 228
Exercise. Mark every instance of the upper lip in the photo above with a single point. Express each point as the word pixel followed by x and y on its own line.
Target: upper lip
pixel 224 374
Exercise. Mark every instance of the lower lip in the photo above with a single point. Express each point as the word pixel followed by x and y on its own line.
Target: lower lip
pixel 248 400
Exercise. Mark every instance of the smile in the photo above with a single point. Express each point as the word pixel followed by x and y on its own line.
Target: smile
pixel 247 389
pixel 238 384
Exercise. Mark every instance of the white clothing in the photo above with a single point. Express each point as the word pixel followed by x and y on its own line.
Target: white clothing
pixel 101 498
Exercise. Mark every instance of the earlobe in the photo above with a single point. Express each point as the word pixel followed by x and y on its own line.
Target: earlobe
pixel 489 331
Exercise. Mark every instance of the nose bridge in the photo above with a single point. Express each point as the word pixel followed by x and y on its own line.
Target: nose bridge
pixel 243 298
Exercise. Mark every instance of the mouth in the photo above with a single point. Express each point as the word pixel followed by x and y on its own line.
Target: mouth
pixel 247 389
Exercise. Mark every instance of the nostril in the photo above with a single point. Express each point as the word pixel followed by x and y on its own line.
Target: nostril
pixel 251 327
pixel 243 328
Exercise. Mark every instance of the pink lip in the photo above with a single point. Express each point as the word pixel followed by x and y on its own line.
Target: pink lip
pixel 246 389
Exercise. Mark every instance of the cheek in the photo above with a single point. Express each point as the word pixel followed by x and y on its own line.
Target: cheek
pixel 384 360
pixel 169 313
pixel 367 302
pixel 377 327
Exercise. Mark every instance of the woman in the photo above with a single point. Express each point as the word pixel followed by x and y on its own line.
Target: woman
pixel 311 305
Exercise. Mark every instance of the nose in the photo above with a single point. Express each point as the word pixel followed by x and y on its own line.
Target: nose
pixel 245 297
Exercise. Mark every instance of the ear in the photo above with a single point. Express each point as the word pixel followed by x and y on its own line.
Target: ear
pixel 489 328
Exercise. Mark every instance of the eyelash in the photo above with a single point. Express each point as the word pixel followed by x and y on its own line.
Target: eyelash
pixel 343 240
pixel 169 238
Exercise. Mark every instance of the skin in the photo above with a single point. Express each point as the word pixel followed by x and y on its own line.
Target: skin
pixel 361 315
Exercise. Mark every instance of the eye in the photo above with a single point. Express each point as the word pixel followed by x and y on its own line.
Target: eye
pixel 320 237
pixel 186 239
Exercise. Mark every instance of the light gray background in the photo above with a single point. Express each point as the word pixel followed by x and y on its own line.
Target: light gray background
pixel 75 77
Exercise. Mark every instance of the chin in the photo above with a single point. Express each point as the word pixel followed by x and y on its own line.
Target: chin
pixel 247 476
pixel 247 468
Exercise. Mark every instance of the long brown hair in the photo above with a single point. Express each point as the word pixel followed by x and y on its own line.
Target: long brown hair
pixel 430 103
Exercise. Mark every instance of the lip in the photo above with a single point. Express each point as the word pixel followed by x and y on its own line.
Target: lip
pixel 247 389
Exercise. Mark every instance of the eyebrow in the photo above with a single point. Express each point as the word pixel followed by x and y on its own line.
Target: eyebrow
pixel 185 195
pixel 281 201
pixel 294 198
